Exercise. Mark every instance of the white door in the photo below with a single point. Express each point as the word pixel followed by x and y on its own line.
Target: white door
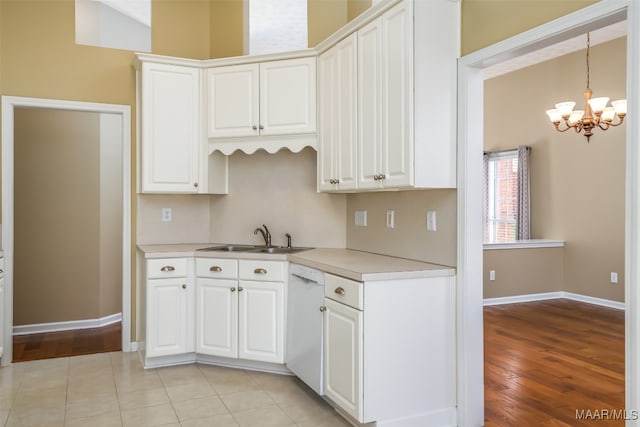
pixel 343 357
pixel 217 317
pixel 370 104
pixel 337 152
pixel 170 145
pixel 397 96
pixel 167 311
pixel 261 321
pixel 288 96
pixel 233 105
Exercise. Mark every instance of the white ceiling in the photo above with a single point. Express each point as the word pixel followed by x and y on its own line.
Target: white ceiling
pixel 575 44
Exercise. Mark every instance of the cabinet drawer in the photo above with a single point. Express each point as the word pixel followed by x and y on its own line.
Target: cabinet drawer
pixel 343 290
pixel 217 268
pixel 168 267
pixel 272 271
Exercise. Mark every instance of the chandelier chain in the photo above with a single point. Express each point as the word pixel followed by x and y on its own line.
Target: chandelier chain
pixel 588 48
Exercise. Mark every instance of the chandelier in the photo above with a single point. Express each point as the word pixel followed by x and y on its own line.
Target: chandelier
pixel 583 120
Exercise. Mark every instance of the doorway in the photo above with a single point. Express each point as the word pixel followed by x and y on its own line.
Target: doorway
pixel 470 147
pixel 107 262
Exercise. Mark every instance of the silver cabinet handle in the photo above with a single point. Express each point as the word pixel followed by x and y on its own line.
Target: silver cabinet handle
pixel 195 184
pixel 254 127
pixel 233 289
pixel 260 271
pixel 240 289
pixel 382 176
pixel 168 268
pixel 334 181
pixel 323 308
pixel 216 269
pixel 339 291
pixel 184 286
pixel 261 127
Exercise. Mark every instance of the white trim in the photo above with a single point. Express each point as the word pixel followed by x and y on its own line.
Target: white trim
pixel 470 147
pixel 524 244
pixel 39 328
pixel 554 295
pixel 9 103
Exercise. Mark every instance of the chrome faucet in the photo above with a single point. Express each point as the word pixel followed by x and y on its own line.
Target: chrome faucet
pixel 288 236
pixel 265 234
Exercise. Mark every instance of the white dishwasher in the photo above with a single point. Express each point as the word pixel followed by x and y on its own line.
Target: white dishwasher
pixel 305 322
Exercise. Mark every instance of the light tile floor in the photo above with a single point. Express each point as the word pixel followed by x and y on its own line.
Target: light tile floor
pixel 112 389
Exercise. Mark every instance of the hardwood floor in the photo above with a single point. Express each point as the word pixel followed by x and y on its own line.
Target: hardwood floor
pixel 546 360
pixel 67 343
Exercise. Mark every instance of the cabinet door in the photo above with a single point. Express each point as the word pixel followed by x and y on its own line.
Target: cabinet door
pixel 343 357
pixel 370 104
pixel 217 317
pixel 168 324
pixel 170 134
pixel 397 97
pixel 337 152
pixel 233 101
pixel 261 321
pixel 1 316
pixel 288 96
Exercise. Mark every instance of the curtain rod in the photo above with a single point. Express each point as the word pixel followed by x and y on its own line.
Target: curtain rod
pixel 505 151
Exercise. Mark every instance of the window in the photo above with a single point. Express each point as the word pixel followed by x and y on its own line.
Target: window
pixel 275 26
pixel 118 24
pixel 506 196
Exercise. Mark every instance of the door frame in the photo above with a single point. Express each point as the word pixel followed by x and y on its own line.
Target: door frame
pixel 9 104
pixel 470 361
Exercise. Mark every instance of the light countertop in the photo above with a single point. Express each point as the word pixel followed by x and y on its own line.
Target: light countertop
pixel 352 264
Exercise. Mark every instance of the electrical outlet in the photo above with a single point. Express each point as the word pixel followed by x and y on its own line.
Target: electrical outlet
pixel 492 275
pixel 614 277
pixel 166 214
pixel 390 219
pixel 361 218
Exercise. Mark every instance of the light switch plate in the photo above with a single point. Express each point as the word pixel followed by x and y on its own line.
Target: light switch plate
pixel 431 220
pixel 391 218
pixel 361 218
pixel 614 277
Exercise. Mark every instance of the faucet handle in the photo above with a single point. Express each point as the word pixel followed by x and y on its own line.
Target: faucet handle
pixel 288 240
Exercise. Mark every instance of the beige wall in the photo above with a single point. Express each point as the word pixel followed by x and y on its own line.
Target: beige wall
pixel 356 7
pixel 577 189
pixel 485 22
pixel 278 190
pixel 409 238
pixel 325 18
pixel 64 238
pixel 226 28
pixel 523 271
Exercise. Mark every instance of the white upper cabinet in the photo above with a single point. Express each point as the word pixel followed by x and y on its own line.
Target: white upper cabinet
pixel 233 101
pixel 265 99
pixel 337 80
pixel 170 131
pixel 173 156
pixel 406 97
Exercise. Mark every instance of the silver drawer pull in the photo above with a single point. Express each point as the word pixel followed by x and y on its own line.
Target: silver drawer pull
pixel 323 308
pixel 233 289
pixel 184 286
pixel 339 291
pixel 240 289
pixel 168 268
pixel 216 269
pixel 260 271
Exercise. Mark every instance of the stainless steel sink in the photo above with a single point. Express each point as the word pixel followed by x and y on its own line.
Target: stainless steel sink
pixel 230 248
pixel 255 249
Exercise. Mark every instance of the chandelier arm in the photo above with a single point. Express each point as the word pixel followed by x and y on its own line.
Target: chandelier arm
pixel 605 125
pixel 557 125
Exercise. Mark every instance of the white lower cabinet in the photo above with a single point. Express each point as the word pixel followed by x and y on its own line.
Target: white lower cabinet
pixel 169 308
pixel 343 356
pixel 389 351
pixel 239 318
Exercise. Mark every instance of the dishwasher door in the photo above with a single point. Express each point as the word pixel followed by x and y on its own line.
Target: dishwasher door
pixel 304 356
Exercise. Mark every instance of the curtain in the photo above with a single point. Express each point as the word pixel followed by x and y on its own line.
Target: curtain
pixel 485 197
pixel 524 194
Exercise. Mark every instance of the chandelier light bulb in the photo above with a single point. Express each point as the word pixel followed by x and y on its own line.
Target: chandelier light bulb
pixel 576 116
pixel 598 104
pixel 620 106
pixel 608 114
pixel 565 108
pixel 555 116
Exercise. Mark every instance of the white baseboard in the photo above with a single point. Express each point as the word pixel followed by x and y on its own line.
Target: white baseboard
pixel 554 295
pixel 67 326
